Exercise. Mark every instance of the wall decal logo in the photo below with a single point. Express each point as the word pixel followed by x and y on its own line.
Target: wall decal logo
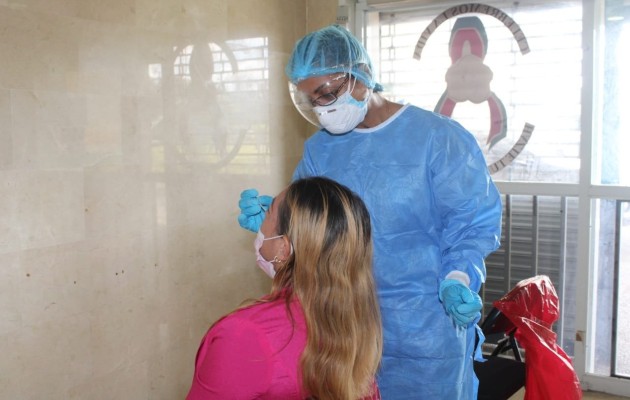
pixel 468 78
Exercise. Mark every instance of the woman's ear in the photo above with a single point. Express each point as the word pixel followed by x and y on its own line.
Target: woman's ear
pixel 286 248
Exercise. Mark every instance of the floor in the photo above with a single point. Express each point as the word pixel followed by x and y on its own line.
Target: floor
pixel 587 396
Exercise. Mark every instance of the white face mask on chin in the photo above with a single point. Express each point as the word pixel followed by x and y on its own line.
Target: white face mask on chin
pixel 342 116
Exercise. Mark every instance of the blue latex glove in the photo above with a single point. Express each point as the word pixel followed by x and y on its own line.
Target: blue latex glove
pixel 253 208
pixel 460 302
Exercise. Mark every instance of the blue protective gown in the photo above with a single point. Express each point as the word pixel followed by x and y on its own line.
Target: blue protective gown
pixel 434 210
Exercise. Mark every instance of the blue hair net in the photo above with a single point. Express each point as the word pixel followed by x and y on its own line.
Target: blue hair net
pixel 330 50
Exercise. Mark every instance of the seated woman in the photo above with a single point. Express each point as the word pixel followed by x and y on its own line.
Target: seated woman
pixel 318 333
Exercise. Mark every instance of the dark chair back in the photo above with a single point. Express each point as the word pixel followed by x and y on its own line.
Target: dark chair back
pixel 500 376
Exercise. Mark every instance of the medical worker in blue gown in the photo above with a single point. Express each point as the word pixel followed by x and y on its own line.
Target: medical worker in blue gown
pixel 436 212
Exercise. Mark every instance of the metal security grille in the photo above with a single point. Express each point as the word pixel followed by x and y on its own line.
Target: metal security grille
pixel 538 237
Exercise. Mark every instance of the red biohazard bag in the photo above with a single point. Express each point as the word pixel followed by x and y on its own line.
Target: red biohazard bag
pixel 532 306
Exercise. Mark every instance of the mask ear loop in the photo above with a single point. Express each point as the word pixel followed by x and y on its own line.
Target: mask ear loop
pixel 276 259
pixel 283 263
pixel 352 85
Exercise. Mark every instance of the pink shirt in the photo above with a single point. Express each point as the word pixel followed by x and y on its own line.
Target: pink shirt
pixel 252 354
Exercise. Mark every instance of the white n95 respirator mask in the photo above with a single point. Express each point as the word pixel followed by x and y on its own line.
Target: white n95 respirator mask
pixel 342 116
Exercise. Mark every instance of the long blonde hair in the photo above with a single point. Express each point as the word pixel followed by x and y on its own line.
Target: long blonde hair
pixel 330 271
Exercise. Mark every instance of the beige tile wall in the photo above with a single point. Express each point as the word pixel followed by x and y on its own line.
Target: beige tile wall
pixel 127 131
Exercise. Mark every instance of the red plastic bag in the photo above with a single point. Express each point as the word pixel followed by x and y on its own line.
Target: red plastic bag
pixel 532 306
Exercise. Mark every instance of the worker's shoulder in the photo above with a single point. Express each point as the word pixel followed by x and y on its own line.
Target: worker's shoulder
pixel 431 118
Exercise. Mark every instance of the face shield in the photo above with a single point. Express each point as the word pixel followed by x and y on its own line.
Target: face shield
pixel 313 100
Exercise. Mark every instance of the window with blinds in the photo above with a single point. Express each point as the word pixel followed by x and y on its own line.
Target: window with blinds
pixel 541 87
pixel 576 72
